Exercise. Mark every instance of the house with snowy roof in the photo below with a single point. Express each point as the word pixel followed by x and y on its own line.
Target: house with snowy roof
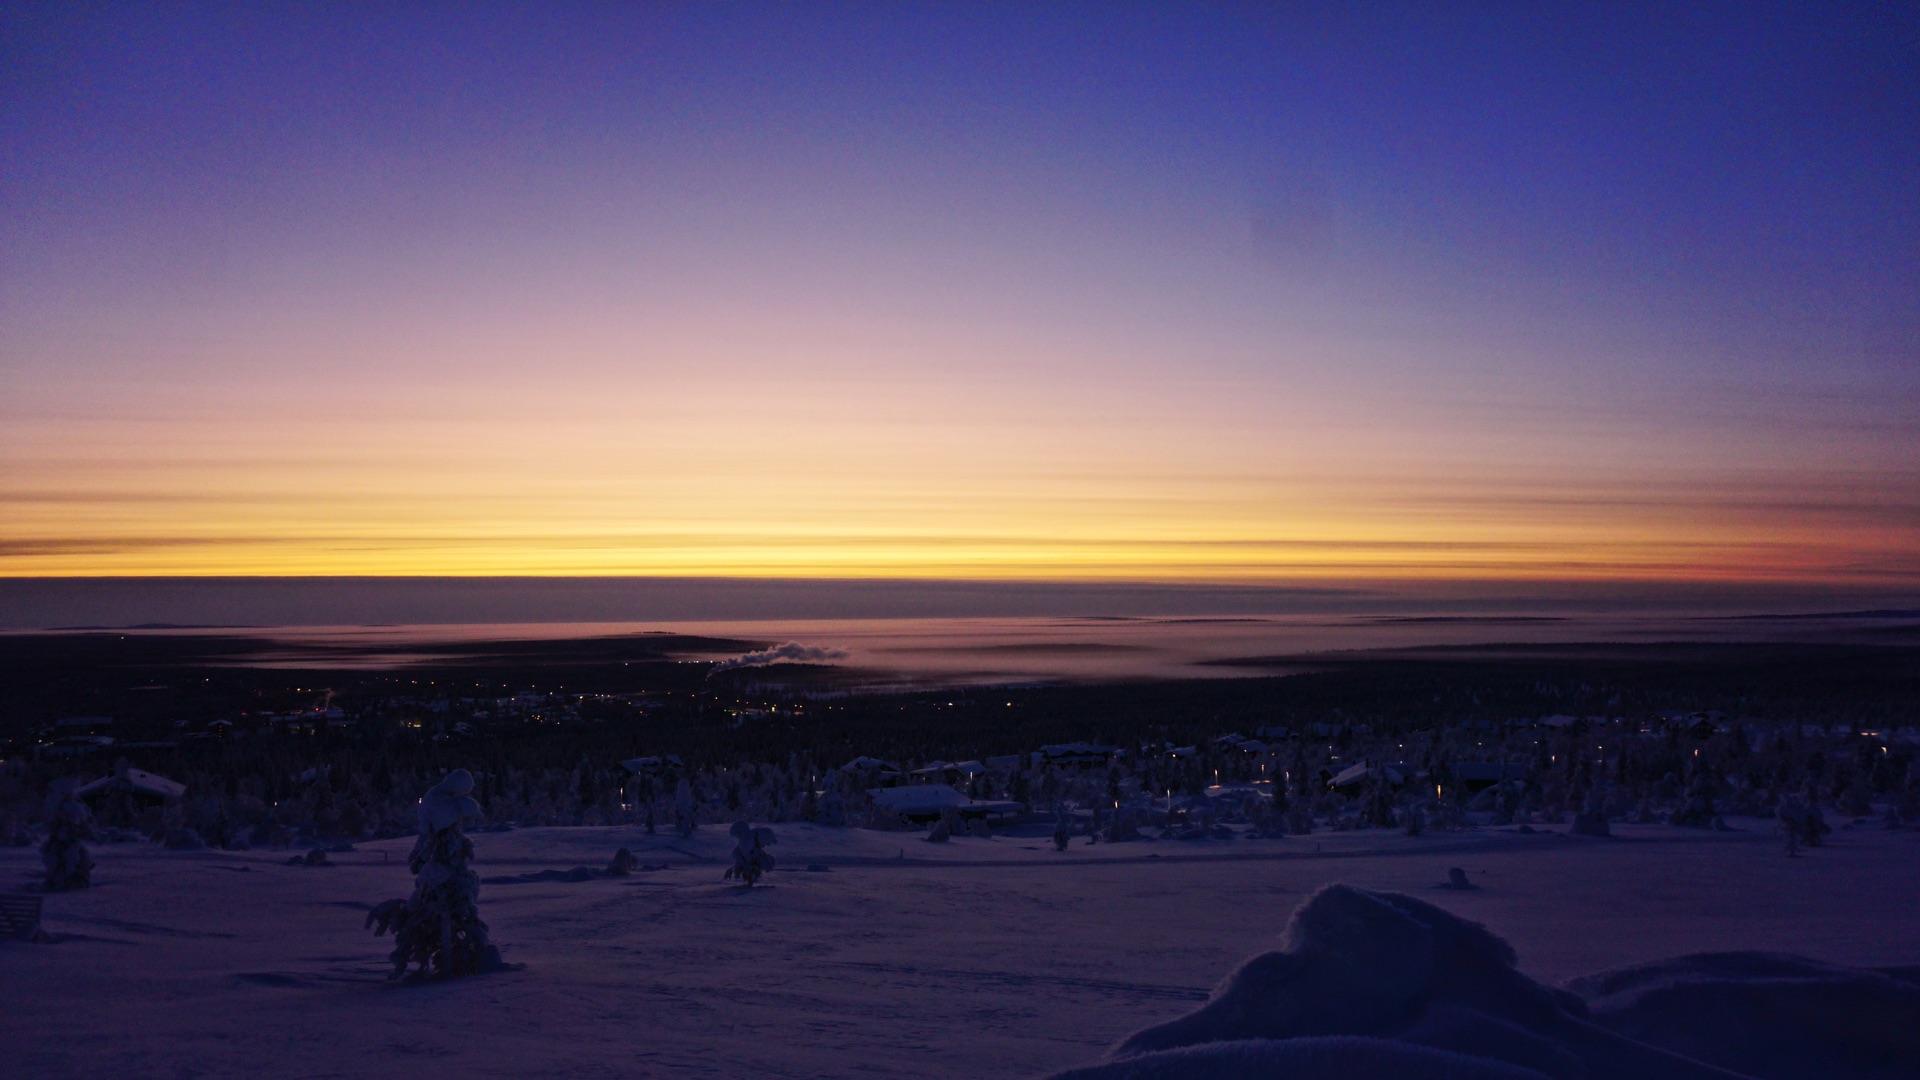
pixel 1078 753
pixel 947 772
pixel 926 802
pixel 73 746
pixel 1393 773
pixel 1479 775
pixel 650 766
pixel 137 781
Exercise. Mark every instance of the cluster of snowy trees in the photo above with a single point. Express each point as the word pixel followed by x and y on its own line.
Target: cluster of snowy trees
pixel 1599 772
pixel 1595 772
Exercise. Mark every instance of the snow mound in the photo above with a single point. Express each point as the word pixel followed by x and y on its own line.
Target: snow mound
pixel 1766 1015
pixel 1338 1056
pixel 573 876
pixel 1381 984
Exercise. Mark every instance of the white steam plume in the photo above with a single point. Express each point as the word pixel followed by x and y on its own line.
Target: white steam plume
pixel 791 653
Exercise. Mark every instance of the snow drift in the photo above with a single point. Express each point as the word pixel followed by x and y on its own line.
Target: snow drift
pixel 1379 984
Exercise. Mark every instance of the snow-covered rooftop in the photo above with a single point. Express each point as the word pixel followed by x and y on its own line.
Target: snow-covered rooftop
pixel 136 780
pixel 925 800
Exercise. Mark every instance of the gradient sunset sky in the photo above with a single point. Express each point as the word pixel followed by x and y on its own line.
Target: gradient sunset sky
pixel 1224 293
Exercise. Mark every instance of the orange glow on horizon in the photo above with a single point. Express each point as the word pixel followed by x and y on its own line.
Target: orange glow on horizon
pixel 773 498
pixel 835 443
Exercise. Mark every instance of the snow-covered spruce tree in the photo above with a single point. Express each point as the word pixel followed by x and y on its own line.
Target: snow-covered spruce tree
pixel 1801 822
pixel 1592 818
pixel 1124 827
pixel 1279 804
pixel 68 864
pixel 1377 811
pixel 1697 808
pixel 833 808
pixel 439 927
pixel 751 858
pixel 685 817
pixel 1856 800
pixel 1300 818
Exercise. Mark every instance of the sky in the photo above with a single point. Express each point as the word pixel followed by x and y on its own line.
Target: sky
pixel 1219 294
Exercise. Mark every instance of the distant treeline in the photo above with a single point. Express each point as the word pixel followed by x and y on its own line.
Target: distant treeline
pixel 768 741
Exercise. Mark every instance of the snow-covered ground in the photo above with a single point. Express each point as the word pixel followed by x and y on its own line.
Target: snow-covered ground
pixel 896 957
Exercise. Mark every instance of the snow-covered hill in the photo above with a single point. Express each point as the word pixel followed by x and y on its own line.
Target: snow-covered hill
pixel 869 954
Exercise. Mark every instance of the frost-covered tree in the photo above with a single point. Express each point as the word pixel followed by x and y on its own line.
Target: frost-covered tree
pixel 68 864
pixel 1697 809
pixel 439 927
pixel 1802 823
pixel 1300 818
pixel 1592 818
pixel 1856 800
pixel 751 858
pixel 685 818
pixel 1124 827
pixel 1377 811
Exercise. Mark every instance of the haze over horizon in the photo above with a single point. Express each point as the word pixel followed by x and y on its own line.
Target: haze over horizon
pixel 1479 301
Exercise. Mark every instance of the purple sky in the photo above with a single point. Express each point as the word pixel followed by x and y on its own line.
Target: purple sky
pixel 1213 293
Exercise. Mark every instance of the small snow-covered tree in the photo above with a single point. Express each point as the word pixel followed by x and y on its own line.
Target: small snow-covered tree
pixel 439 927
pixel 1414 819
pixel 751 858
pixel 69 866
pixel 622 863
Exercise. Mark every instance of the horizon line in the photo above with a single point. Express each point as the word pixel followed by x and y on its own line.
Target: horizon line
pixel 41 603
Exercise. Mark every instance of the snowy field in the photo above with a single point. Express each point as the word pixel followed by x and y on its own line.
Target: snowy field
pixel 891 956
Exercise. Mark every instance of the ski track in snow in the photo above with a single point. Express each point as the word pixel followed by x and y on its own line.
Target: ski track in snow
pixel 974 958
